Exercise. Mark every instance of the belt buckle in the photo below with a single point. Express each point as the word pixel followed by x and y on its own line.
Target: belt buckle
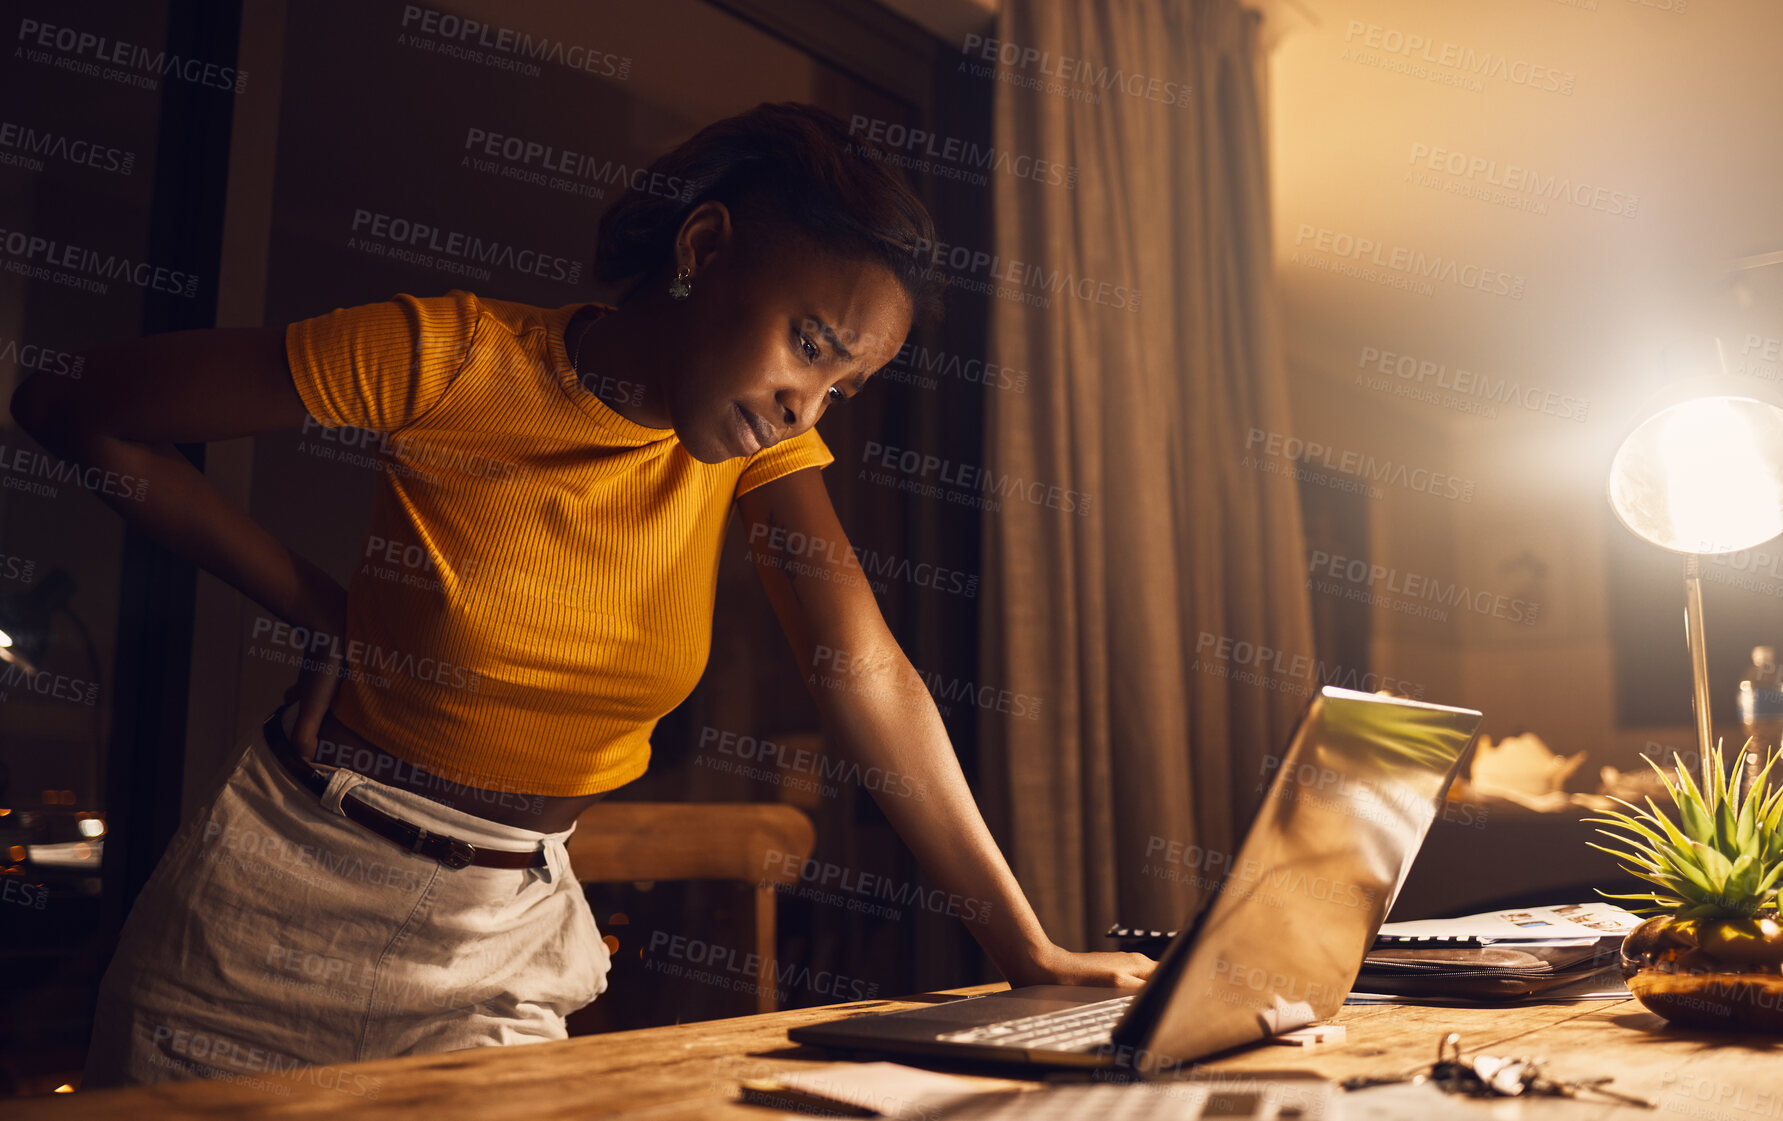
pixel 450 851
pixel 458 854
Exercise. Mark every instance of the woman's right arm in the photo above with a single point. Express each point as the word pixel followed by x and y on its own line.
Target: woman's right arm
pixel 134 400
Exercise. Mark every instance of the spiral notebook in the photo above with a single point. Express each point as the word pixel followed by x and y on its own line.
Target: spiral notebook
pixel 1575 924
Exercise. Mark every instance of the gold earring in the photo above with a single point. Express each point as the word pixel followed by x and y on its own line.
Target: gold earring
pixel 682 286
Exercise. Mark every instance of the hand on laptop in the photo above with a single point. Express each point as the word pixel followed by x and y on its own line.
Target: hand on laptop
pixel 1059 966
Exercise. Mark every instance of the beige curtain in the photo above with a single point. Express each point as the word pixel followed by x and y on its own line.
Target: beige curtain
pixel 1142 742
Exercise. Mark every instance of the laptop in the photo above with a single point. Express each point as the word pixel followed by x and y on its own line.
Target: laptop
pixel 1288 919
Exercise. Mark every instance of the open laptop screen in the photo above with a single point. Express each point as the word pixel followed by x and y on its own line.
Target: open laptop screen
pixel 1281 941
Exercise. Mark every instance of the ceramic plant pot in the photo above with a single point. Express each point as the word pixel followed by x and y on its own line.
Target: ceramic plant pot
pixel 1718 974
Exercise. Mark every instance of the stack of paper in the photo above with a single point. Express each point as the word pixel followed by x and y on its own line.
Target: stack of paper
pixel 1566 952
pixel 1566 924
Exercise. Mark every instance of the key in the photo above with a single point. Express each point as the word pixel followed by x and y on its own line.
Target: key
pixel 1487 1076
pixel 1558 1088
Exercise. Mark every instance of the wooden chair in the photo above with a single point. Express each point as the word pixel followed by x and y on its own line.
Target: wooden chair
pixel 626 842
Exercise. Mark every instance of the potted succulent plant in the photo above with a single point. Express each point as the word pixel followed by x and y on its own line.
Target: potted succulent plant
pixel 1712 954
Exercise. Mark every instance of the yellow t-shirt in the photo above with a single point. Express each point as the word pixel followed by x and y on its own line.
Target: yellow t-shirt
pixel 537 585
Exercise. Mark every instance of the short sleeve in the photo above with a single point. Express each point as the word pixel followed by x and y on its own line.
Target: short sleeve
pixel 380 366
pixel 807 449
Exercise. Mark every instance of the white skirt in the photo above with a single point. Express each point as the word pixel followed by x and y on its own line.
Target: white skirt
pixel 277 938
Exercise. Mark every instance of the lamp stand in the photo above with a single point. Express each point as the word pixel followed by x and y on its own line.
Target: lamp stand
pixel 1699 659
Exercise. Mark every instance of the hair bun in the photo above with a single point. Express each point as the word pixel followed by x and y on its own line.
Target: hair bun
pixel 788 164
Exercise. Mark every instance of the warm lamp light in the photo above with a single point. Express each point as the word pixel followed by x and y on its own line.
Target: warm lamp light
pixel 1702 475
pixel 26 618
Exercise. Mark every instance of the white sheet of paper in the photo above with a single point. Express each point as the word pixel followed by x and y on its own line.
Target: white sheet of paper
pixel 1571 920
pixel 888 1089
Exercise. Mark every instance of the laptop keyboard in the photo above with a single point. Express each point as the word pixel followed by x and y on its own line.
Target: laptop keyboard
pixel 1083 1028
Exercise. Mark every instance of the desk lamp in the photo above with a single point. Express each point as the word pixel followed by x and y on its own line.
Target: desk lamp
pixel 1702 475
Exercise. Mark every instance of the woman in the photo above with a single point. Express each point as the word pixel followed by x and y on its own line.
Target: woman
pixel 383 873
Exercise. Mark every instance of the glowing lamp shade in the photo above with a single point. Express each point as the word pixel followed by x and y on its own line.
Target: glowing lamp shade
pixel 1703 476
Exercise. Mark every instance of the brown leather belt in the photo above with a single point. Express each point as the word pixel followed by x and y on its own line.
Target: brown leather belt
pixel 450 851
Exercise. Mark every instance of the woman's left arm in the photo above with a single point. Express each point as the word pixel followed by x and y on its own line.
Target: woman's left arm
pixel 876 707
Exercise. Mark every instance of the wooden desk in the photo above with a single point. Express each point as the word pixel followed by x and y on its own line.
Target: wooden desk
pixel 691 1072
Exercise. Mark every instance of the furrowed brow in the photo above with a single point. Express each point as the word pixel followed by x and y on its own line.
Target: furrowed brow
pixel 829 336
